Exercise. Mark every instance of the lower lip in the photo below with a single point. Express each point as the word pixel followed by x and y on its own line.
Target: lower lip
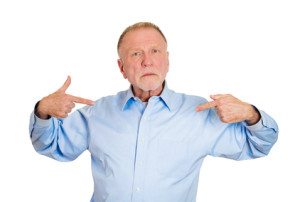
pixel 148 75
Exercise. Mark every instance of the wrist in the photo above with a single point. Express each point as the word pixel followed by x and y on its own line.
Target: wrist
pixel 254 116
pixel 39 113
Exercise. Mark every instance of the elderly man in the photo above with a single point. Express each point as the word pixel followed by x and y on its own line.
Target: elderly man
pixel 148 143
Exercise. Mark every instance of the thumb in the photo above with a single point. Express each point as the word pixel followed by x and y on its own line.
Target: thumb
pixel 65 86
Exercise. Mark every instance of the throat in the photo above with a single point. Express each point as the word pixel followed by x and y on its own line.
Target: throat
pixel 146 95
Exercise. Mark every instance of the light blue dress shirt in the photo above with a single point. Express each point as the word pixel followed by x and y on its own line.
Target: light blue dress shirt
pixel 149 152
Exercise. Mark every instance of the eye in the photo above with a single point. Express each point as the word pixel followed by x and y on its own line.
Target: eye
pixel 155 50
pixel 136 54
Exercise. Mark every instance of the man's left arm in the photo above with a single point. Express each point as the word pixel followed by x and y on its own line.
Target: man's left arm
pixel 257 132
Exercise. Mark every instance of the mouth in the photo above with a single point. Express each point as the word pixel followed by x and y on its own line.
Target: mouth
pixel 148 74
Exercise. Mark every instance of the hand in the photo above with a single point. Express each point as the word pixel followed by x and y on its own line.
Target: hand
pixel 231 110
pixel 59 104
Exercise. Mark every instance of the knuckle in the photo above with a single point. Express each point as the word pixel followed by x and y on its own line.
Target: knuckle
pixel 225 119
pixel 63 114
pixel 220 110
pixel 68 97
pixel 220 102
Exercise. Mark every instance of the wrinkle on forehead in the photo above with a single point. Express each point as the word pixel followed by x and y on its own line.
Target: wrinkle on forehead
pixel 142 38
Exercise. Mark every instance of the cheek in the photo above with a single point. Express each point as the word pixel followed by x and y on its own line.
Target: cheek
pixel 132 72
pixel 164 66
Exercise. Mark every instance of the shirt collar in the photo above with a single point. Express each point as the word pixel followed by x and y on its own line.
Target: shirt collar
pixel 127 99
pixel 165 96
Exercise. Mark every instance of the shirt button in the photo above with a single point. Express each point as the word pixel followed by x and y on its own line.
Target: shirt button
pixel 138 189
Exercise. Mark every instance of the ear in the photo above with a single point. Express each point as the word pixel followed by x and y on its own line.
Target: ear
pixel 168 63
pixel 121 67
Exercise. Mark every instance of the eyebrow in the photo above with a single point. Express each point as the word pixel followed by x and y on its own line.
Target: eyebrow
pixel 151 46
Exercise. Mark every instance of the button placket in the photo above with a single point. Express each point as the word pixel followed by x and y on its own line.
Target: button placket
pixel 141 154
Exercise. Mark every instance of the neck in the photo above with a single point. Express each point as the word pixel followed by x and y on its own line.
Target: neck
pixel 145 95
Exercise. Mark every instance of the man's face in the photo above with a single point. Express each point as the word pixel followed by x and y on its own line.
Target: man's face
pixel 144 59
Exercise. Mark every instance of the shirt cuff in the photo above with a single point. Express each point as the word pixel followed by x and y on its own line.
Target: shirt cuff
pixel 262 123
pixel 258 126
pixel 41 122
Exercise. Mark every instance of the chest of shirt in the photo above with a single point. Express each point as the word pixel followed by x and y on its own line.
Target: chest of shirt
pixel 158 136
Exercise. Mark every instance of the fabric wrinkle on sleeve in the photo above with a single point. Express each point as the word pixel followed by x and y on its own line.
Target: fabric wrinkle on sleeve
pixel 240 141
pixel 61 139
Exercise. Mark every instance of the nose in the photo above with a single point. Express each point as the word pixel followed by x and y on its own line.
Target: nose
pixel 147 60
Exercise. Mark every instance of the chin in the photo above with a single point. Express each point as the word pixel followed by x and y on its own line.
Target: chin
pixel 151 86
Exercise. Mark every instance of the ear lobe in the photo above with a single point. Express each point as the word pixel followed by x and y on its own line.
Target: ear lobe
pixel 121 67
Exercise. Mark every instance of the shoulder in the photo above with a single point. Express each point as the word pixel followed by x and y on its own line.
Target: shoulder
pixel 111 99
pixel 183 101
pixel 191 99
pixel 106 103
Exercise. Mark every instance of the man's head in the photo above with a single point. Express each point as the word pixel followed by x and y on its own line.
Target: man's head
pixel 144 59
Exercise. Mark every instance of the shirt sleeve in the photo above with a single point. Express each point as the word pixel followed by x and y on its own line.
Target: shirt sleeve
pixel 60 139
pixel 239 141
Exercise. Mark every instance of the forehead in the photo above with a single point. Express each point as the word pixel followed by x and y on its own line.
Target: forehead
pixel 142 37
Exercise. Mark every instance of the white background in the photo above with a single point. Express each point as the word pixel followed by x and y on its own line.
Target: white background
pixel 250 49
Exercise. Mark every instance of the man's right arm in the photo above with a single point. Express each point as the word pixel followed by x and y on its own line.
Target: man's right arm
pixel 53 132
pixel 60 139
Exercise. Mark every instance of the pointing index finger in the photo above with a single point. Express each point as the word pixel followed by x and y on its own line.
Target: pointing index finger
pixel 218 96
pixel 206 106
pixel 81 100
